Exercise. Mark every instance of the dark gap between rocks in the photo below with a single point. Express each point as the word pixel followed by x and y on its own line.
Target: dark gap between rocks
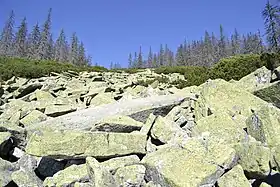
pixel 108 158
pixel 48 167
pixel 272 180
pixel 118 97
pixel 7 149
pixel 142 116
pixel 156 142
pixel 11 184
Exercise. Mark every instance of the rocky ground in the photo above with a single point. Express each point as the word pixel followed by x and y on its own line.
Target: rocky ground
pixel 106 130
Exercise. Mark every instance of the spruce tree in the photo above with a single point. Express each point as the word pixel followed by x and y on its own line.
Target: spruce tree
pixel 166 55
pixel 180 56
pixel 235 43
pixel 81 55
pixel 33 42
pixel 7 36
pixel 170 58
pixel 207 53
pixel 135 60
pixel 161 56
pixel 155 59
pixel 73 54
pixel 130 61
pixel 140 59
pixel 42 52
pixel 271 16
pixel 88 60
pixel 61 50
pixel 21 40
pixel 50 49
pixel 150 58
pixel 222 43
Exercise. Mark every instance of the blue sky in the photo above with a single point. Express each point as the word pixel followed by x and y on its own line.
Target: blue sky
pixel 111 29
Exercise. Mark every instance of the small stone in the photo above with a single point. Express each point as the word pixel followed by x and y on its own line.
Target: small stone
pixel 25 179
pixel 115 163
pixel 58 110
pixel 98 175
pixel 33 117
pixel 130 176
pixel 68 176
pixel 234 178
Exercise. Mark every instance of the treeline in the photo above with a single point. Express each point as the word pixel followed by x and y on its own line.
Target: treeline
pixel 204 52
pixel 211 48
pixel 39 44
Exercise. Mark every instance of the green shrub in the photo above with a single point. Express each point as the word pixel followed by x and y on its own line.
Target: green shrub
pixel 19 67
pixel 195 75
pixel 236 67
pixel 150 81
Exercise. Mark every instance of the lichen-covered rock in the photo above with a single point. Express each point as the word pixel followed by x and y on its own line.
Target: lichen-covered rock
pixel 198 163
pixel 148 125
pixel 270 93
pixel 98 175
pixel 6 170
pixel 12 107
pixel 221 125
pixel 130 176
pixel 58 110
pixel 102 99
pixel 43 95
pixel 254 158
pixel 255 80
pixel 220 96
pixel 80 144
pixel 234 178
pixel 117 123
pixel 68 176
pixel 27 88
pixel 115 163
pixel 3 137
pixel 85 119
pixel 264 126
pixel 165 130
pixel 81 184
pixel 33 117
pixel 26 179
pixel 263 184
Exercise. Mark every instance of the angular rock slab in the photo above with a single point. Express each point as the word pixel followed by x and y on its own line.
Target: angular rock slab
pixel 130 176
pixel 264 126
pixel 221 125
pixel 6 170
pixel 85 119
pixel 196 164
pixel 68 176
pixel 221 96
pixel 234 178
pixel 254 158
pixel 99 176
pixel 24 178
pixel 115 163
pixel 77 144
pixel 118 123
pixel 270 93
pixel 255 80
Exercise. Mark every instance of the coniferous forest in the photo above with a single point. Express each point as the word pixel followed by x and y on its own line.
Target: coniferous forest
pixel 38 44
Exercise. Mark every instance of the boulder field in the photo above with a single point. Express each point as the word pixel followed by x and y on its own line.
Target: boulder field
pixel 94 129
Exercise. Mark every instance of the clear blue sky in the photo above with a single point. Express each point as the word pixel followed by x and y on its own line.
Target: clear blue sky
pixel 111 29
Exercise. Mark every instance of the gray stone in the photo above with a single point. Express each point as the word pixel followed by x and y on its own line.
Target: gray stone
pixel 85 119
